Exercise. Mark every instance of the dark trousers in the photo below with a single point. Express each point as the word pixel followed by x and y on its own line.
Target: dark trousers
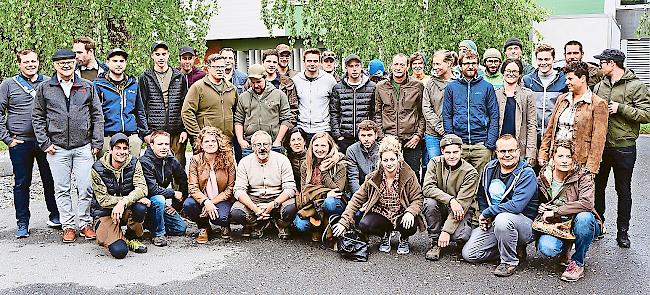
pixel 377 224
pixel 344 144
pixel 193 210
pixel 22 159
pixel 236 148
pixel 413 157
pixel 622 161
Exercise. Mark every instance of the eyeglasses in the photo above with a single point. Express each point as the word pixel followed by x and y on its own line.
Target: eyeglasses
pixel 492 61
pixel 65 63
pixel 467 64
pixel 504 152
pixel 259 145
pixel 511 72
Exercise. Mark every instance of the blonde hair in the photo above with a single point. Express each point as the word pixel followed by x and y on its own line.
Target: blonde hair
pixel 390 144
pixel 310 160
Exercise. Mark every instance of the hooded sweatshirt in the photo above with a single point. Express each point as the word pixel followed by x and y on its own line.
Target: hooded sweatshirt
pixel 313 101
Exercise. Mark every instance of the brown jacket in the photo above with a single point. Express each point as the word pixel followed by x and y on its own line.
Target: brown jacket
pixel 400 116
pixel 525 119
pixel 205 106
pixel 578 188
pixel 198 176
pixel 334 178
pixel 367 196
pixel 590 130
pixel 432 105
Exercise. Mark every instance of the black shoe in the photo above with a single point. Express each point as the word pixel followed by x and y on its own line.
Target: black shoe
pixel 623 239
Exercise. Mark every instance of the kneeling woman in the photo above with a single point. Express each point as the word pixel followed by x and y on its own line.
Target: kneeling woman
pixel 211 177
pixel 323 179
pixel 391 198
pixel 568 193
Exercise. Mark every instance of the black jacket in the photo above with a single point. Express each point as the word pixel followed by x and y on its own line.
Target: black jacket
pixel 158 117
pixel 115 186
pixel 351 105
pixel 159 173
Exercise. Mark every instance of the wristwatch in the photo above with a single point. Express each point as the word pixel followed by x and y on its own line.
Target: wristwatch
pixel 276 205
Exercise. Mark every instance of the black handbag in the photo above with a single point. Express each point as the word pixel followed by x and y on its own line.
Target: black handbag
pixel 350 245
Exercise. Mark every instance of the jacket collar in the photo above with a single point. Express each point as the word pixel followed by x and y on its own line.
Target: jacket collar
pixel 586 98
pixel 226 87
pixel 364 81
pixel 76 80
pixel 405 173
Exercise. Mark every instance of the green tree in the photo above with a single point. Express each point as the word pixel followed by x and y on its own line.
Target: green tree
pixel 381 28
pixel 132 25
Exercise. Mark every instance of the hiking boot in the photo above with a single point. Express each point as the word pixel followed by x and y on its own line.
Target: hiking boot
pixel 522 254
pixel 225 233
pixel 160 241
pixel 384 246
pixel 203 236
pixel 258 230
pixel 69 235
pixel 403 246
pixel 505 270
pixel 88 232
pixel 22 231
pixel 623 239
pixel 54 222
pixel 315 236
pixel 433 254
pixel 283 230
pixel 573 272
pixel 136 246
pixel 246 231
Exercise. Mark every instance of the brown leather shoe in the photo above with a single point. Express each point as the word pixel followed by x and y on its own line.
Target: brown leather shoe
pixel 88 232
pixel 69 235
pixel 203 236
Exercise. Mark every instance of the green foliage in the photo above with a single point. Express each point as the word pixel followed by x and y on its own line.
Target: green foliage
pixel 643 30
pixel 46 26
pixel 382 28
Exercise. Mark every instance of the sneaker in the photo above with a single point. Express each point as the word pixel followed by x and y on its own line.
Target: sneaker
pixel 315 236
pixel 54 222
pixel 505 270
pixel 384 246
pixel 160 241
pixel 88 232
pixel 225 232
pixel 573 272
pixel 522 254
pixel 246 231
pixel 623 239
pixel 283 231
pixel 433 254
pixel 602 234
pixel 22 231
pixel 258 230
pixel 136 246
pixel 69 235
pixel 203 237
pixel 403 246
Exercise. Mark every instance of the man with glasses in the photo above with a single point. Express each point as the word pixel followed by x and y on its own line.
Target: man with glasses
pixel 492 63
pixel 210 101
pixel 187 60
pixel 629 106
pixel 261 107
pixel 232 74
pixel 285 58
pixel 264 190
pixel 573 53
pixel 163 90
pixel 69 126
pixel 16 100
pixel 471 111
pixel 507 201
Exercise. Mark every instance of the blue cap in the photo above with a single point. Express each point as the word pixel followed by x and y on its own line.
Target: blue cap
pixel 376 67
pixel 470 44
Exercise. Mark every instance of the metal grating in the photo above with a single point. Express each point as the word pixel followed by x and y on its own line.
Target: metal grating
pixel 638 59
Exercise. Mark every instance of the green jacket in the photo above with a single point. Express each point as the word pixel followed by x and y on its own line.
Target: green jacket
pixel 207 105
pixel 633 109
pixel 263 112
pixel 496 80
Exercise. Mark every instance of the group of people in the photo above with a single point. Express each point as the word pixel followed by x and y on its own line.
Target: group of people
pixel 390 153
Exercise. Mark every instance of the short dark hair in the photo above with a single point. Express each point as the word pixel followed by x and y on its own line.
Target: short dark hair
pixel 311 51
pixel 214 57
pixel 416 56
pixel 545 48
pixel 619 64
pixel 269 52
pixel 515 61
pixel 88 43
pixel 573 43
pixel 580 69
pixel 24 51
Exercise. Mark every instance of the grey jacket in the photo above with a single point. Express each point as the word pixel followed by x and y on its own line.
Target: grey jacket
pixel 68 122
pixel 16 111
pixel 361 163
pixel 314 101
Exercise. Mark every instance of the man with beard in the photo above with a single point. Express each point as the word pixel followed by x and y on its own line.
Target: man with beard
pixel 88 66
pixel 264 189
pixel 285 57
pixel 261 107
pixel 187 60
pixel 573 53
pixel 362 155
pixel 16 99
pixel 492 63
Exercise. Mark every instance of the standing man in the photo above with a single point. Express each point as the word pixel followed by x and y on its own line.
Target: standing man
pixel 329 64
pixel 122 106
pixel 88 66
pixel 236 77
pixel 261 107
pixel 418 63
pixel 547 84
pixel 629 106
pixel 16 100
pixel 285 57
pixel 163 91
pixel 573 53
pixel 464 47
pixel 210 101
pixel 187 61
pixel 398 111
pixel 68 124
pixel 314 88
pixel 270 57
pixel 471 111
pixel 352 101
pixel 492 63
pixel 513 48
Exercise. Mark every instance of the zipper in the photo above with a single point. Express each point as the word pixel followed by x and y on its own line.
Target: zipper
pixel 469 129
pixel 162 171
pixel 354 113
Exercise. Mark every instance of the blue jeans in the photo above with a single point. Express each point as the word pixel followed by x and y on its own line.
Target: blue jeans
pixel 585 228
pixel 161 223
pixel 193 211
pixel 331 206
pixel 249 150
pixel 22 160
pixel 431 150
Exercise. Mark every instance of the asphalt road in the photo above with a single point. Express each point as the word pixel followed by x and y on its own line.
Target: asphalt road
pixel 41 264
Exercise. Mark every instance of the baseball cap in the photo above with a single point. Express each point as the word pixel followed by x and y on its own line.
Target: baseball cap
pixel 283 48
pixel 159 44
pixel 376 67
pixel 611 54
pixel 117 51
pixel 117 137
pixel 450 139
pixel 352 57
pixel 256 71
pixel 327 54
pixel 186 50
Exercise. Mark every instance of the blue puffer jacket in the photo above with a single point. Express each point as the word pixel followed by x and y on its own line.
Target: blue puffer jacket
pixel 471 111
pixel 122 106
pixel 522 192
pixel 545 97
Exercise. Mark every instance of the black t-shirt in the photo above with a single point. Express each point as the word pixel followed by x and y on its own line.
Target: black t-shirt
pixel 509 117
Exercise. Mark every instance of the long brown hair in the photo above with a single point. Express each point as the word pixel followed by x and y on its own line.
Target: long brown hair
pixel 310 160
pixel 224 158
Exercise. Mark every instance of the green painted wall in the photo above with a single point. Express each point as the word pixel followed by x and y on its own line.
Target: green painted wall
pixel 573 7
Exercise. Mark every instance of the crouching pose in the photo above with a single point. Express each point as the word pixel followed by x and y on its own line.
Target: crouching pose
pixel 390 199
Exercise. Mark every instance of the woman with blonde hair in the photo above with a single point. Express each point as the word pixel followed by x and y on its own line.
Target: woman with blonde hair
pixel 391 200
pixel 323 178
pixel 211 178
